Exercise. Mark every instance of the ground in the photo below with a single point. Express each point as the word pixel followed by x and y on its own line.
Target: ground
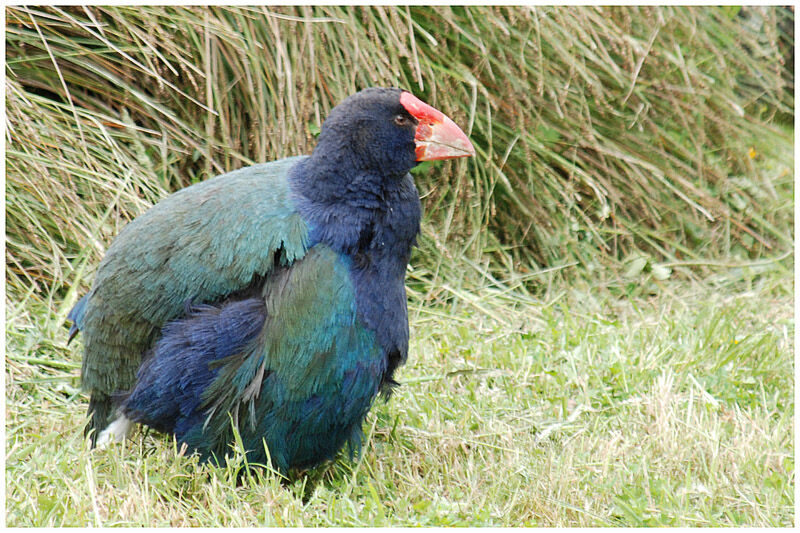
pixel 670 403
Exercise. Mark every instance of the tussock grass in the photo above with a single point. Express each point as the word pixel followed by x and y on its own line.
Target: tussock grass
pixel 578 409
pixel 603 134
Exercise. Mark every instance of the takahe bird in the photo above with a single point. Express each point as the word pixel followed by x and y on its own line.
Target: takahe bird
pixel 270 299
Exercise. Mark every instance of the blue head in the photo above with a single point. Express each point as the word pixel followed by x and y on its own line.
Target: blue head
pixel 385 132
pixel 371 132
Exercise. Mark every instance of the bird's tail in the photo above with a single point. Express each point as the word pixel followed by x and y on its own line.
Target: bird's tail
pixel 100 405
pixel 101 409
pixel 76 316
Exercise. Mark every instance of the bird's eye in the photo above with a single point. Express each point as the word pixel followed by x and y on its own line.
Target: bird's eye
pixel 400 120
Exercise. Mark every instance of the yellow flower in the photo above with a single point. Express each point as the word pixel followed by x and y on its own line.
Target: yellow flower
pixel 752 153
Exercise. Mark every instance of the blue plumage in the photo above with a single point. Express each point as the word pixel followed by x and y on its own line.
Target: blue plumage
pixel 297 268
pixel 172 378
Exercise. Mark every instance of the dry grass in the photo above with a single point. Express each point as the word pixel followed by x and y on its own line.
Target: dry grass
pixel 603 134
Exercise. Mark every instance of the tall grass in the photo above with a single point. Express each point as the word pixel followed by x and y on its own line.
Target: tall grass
pixel 606 136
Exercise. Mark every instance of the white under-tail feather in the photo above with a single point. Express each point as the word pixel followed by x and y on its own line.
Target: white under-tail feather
pixel 117 431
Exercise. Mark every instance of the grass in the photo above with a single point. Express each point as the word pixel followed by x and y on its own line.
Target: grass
pixel 601 304
pixel 585 407
pixel 602 133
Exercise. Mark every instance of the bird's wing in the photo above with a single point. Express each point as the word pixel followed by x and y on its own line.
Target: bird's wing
pixel 198 245
pixel 313 370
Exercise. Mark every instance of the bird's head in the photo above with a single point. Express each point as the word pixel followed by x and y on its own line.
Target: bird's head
pixel 389 130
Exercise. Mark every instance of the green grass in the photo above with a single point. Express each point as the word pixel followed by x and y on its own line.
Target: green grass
pixel 585 407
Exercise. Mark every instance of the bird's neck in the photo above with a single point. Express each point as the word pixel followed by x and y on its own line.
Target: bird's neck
pixel 349 210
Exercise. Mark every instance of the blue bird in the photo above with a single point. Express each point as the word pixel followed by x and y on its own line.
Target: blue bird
pixel 271 299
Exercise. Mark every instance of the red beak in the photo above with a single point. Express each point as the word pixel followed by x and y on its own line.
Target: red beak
pixel 437 136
